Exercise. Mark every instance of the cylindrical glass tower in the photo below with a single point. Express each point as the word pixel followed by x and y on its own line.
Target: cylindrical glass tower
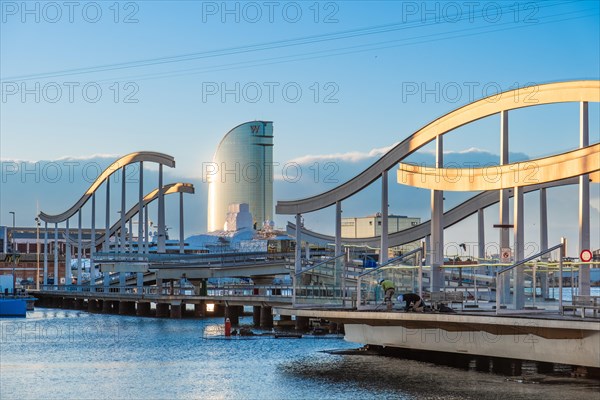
pixel 242 172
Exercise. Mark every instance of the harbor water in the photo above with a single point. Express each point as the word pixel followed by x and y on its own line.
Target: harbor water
pixel 68 354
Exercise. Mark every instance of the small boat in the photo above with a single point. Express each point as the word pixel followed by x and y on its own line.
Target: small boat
pixel 13 307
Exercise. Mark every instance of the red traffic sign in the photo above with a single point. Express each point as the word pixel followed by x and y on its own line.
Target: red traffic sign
pixel 505 255
pixel 585 255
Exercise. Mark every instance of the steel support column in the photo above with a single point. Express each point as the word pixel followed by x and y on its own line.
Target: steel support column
pixel 161 212
pixel 338 228
pixel 67 255
pixel 45 253
pixel 93 242
pixel 106 275
pixel 437 225
pixel 584 202
pixel 339 263
pixel 543 222
pixel 140 241
pixel 544 239
pixel 146 233
pixel 383 256
pixel 298 260
pixel 181 239
pixel 427 255
pixel 123 210
pixel 56 281
pixel 122 224
pixel 79 245
pixel 519 243
pixel 562 255
pixel 480 235
pixel 107 217
pixel 504 202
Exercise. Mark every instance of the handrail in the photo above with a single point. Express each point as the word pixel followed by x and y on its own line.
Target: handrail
pixel 393 260
pixel 188 256
pixel 560 246
pixel 141 292
pixel 525 260
pixel 421 250
pixel 319 264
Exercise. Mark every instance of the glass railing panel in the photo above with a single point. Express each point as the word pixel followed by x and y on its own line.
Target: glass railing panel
pixel 322 283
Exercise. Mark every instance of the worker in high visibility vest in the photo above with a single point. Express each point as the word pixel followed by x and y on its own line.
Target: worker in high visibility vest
pixel 389 289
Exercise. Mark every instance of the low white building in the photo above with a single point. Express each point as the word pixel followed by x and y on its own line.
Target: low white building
pixel 369 226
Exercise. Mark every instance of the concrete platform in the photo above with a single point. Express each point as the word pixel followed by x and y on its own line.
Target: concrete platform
pixel 528 335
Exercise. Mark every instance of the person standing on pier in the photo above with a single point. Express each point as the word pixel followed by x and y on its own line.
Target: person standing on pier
pixel 389 289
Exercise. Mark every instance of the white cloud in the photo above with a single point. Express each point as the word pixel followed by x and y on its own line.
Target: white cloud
pixel 92 156
pixel 65 158
pixel 352 156
pixel 470 150
pixel 356 156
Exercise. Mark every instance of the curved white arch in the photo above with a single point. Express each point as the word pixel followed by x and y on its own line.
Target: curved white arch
pixel 149 198
pixel 122 162
pixel 451 217
pixel 574 91
pixel 585 160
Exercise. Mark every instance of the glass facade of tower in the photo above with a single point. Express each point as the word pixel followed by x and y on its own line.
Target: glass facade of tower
pixel 242 172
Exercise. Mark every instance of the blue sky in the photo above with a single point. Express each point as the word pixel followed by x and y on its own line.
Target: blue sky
pixel 353 62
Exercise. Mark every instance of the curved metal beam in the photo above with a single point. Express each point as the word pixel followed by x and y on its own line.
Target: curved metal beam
pixel 132 158
pixel 149 198
pixel 451 217
pixel 559 92
pixel 542 170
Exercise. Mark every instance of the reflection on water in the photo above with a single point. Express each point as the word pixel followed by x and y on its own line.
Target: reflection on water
pixel 75 355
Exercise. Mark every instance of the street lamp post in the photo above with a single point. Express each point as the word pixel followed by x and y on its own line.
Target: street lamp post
pixel 14 253
pixel 37 243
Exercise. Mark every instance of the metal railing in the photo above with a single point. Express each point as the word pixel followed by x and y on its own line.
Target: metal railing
pixel 282 291
pixel 406 278
pixel 321 283
pixel 473 285
pixel 134 290
pixel 198 259
pixel 521 263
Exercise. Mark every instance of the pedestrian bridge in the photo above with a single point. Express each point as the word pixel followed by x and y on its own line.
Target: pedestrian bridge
pixel 197 266
pixel 579 166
